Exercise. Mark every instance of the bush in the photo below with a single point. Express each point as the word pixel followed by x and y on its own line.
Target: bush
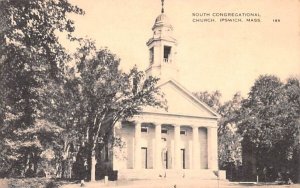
pixel 33 183
pixel 29 173
pixel 52 184
pixel 41 174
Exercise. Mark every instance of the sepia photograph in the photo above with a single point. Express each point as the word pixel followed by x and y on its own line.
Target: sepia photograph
pixel 158 94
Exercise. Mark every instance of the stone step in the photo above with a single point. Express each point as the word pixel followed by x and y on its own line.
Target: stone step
pixel 157 174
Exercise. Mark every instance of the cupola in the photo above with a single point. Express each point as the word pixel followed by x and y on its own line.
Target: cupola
pixel 162 49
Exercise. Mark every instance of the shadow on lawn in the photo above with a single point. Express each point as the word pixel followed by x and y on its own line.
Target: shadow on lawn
pixel 33 183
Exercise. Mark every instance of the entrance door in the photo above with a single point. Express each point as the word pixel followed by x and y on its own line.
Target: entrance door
pixel 144 157
pixel 165 159
pixel 183 158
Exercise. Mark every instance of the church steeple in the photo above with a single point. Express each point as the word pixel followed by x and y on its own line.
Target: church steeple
pixel 162 49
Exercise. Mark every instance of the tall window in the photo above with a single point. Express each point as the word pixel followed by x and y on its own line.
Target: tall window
pixel 151 55
pixel 167 53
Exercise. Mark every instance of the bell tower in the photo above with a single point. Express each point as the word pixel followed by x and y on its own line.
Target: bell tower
pixel 162 49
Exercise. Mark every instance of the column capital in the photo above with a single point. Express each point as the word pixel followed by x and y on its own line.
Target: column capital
pixel 156 123
pixel 118 124
pixel 138 122
pixel 176 125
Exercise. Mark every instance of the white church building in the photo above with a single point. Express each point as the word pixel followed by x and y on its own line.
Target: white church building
pixel 179 142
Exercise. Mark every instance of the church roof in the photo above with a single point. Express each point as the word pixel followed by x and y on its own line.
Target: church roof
pixel 182 102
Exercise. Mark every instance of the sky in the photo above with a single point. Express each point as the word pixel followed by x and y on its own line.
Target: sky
pixel 224 56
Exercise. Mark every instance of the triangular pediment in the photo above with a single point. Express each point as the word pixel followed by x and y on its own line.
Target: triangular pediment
pixel 181 102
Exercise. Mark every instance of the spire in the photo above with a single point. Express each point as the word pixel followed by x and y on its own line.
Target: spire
pixel 162 6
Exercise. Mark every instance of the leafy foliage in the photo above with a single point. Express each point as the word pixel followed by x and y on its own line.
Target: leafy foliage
pixel 31 57
pixel 52 102
pixel 229 138
pixel 268 121
pixel 211 99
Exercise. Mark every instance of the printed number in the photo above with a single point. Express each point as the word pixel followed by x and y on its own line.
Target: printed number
pixel 276 20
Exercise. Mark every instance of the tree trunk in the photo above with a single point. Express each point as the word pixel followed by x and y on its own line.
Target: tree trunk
pixel 297 166
pixel 93 166
pixel 58 170
pixel 35 163
pixel 63 169
pixel 27 163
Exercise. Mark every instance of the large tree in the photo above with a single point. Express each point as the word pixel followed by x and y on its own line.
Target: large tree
pixel 105 96
pixel 292 90
pixel 64 110
pixel 31 58
pixel 268 124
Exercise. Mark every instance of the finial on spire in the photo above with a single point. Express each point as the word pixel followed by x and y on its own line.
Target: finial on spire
pixel 162 6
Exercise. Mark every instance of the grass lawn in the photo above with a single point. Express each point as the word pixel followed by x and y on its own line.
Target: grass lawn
pixel 177 183
pixel 160 183
pixel 31 183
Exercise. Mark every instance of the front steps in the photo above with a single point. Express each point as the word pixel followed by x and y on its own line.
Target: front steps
pixel 205 174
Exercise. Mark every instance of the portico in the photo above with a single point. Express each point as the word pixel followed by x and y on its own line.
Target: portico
pixel 161 145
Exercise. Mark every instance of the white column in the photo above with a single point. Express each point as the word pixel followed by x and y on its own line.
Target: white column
pixel 158 162
pixel 212 138
pixel 190 157
pixel 177 147
pixel 152 151
pixel 172 158
pixel 137 148
pixel 196 148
